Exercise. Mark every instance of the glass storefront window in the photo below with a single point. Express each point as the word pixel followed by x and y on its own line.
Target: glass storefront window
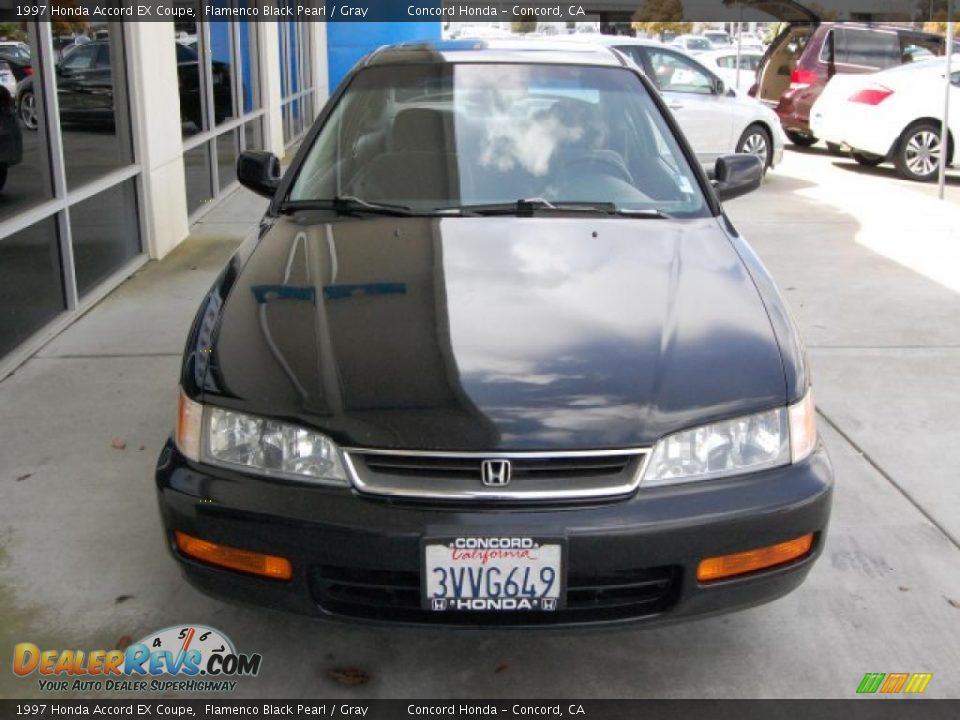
pixel 190 75
pixel 227 151
pixel 221 53
pixel 196 165
pixel 248 67
pixel 296 81
pixel 225 61
pixel 25 173
pixel 94 120
pixel 105 231
pixel 31 283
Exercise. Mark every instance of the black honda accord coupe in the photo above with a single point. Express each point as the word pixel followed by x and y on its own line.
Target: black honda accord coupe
pixel 496 357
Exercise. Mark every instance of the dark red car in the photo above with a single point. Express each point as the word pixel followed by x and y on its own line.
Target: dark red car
pixel 807 53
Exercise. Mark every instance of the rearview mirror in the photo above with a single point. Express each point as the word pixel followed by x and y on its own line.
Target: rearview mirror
pixel 259 171
pixel 736 175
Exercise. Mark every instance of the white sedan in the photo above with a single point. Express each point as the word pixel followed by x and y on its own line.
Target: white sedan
pixel 893 115
pixel 715 118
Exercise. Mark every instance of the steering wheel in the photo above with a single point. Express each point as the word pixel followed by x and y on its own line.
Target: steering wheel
pixel 610 161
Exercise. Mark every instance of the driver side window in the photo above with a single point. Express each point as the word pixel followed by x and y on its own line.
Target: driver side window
pixel 674 73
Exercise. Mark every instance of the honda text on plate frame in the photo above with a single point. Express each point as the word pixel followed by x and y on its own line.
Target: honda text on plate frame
pixel 496 357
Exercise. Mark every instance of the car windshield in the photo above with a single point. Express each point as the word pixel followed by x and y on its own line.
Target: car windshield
pixel 698 44
pixel 443 136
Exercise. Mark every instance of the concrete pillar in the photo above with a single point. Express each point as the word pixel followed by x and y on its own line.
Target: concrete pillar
pixel 268 40
pixel 154 90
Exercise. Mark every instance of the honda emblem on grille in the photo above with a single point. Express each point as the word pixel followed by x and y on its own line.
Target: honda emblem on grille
pixel 495 473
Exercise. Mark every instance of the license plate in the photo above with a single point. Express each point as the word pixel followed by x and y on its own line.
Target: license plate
pixel 492 573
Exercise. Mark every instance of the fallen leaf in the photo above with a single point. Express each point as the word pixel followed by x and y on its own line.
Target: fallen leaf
pixel 142 448
pixel 119 444
pixel 954 602
pixel 122 599
pixel 21 478
pixel 903 588
pixel 349 676
pixel 501 667
pixel 124 642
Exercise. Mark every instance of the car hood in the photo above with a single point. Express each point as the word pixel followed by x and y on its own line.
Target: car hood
pixel 494 333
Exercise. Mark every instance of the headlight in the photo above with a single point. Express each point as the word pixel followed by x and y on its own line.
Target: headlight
pixel 227 437
pixel 732 447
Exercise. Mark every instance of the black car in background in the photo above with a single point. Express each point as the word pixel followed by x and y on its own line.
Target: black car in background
pixel 497 356
pixel 11 140
pixel 85 87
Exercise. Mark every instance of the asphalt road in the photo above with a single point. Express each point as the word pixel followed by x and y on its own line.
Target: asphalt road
pixel 869 264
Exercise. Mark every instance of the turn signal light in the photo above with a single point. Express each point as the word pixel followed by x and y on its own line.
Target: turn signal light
pixel 726 566
pixel 270 566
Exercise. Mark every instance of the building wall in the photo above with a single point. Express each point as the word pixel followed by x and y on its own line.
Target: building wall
pixel 348 42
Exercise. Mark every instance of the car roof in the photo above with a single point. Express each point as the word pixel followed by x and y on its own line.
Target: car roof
pixel 730 50
pixel 496 51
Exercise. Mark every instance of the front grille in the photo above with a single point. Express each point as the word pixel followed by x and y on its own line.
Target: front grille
pixel 591 597
pixel 462 467
pixel 534 476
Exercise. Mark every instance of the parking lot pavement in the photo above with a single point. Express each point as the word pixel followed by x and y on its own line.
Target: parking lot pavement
pixel 868 267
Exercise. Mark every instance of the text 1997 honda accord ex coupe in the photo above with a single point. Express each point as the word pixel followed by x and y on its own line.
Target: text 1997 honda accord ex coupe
pixel 496 357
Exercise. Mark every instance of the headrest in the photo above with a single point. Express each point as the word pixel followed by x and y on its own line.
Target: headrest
pixel 419 129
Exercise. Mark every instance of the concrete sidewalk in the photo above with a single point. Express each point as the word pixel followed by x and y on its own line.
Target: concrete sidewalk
pixel 869 264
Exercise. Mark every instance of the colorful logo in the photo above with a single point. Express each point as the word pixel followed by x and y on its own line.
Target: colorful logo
pixel 893 683
pixel 185 651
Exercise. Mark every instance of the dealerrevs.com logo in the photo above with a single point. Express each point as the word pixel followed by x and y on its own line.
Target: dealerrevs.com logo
pixel 199 658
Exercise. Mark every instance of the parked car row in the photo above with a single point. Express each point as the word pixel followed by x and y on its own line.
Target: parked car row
pixel 807 55
pixel 85 86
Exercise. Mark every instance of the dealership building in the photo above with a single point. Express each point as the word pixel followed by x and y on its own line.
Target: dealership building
pixel 127 140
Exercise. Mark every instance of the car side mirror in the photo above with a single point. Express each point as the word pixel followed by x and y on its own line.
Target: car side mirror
pixel 736 175
pixel 259 171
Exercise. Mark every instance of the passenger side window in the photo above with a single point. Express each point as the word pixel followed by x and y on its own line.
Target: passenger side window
pixel 674 73
pixel 867 48
pixel 727 61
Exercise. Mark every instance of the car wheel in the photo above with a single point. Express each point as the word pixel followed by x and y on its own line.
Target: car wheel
pixel 28 110
pixel 3 176
pixel 801 140
pixel 835 149
pixel 867 159
pixel 756 141
pixel 918 152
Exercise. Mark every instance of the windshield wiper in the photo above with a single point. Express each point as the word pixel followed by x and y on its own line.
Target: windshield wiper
pixel 347 205
pixel 527 207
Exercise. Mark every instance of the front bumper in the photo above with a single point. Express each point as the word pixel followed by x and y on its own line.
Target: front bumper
pixel 358 558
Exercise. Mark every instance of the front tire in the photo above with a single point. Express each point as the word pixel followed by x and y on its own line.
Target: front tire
pixel 918 153
pixel 801 140
pixel 756 141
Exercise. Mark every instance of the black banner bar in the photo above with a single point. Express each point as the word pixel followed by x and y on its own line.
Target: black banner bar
pixel 858 709
pixel 473 11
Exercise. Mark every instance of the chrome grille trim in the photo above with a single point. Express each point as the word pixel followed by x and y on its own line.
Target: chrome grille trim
pixel 563 487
